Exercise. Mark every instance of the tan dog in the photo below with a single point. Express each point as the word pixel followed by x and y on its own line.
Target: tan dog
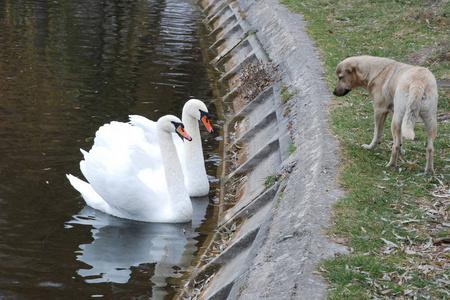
pixel 407 90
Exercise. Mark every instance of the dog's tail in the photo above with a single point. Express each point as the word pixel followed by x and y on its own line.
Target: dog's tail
pixel 412 111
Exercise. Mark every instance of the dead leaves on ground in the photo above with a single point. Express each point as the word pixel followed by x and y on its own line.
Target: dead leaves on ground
pixel 426 245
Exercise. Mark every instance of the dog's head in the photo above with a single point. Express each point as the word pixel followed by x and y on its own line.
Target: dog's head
pixel 347 74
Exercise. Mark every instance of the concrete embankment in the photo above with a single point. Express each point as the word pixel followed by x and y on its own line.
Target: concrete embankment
pixel 279 174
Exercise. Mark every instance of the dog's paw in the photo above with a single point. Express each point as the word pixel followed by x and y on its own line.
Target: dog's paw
pixel 391 164
pixel 368 147
pixel 429 171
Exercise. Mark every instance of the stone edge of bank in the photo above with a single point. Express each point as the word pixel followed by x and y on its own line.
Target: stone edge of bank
pixel 270 241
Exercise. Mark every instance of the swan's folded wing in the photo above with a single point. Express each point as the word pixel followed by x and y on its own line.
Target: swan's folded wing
pixel 144 155
pixel 156 181
pixel 112 175
pixel 147 126
pixel 117 135
pixel 148 154
pixel 89 195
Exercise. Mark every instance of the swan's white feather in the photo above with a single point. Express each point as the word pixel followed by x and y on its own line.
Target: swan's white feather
pixel 126 176
pixel 189 153
pixel 149 129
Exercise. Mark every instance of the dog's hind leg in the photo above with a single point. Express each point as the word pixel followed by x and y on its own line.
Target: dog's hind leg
pixel 379 118
pixel 431 125
pixel 397 135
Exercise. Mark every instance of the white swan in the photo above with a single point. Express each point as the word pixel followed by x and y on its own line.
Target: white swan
pixel 133 179
pixel 191 154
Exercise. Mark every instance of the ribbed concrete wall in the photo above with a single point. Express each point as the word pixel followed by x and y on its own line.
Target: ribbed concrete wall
pixel 270 238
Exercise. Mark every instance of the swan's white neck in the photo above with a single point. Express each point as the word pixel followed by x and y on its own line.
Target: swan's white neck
pixel 197 180
pixel 180 202
pixel 192 128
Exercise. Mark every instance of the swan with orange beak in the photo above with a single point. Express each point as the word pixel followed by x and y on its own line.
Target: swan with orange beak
pixel 190 153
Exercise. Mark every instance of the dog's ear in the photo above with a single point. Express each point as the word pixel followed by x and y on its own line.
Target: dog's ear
pixel 351 67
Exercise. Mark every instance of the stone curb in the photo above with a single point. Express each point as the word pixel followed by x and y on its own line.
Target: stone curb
pixel 271 240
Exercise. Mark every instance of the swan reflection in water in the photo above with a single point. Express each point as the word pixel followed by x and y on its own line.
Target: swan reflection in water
pixel 120 244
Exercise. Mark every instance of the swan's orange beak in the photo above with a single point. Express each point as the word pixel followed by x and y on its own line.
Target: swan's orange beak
pixel 205 121
pixel 182 133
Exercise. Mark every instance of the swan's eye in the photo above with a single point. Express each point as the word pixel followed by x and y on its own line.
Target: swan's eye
pixel 177 124
pixel 179 129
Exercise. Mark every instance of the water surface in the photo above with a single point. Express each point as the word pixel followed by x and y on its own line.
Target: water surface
pixel 67 67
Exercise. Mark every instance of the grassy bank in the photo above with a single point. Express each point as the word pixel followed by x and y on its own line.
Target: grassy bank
pixel 393 220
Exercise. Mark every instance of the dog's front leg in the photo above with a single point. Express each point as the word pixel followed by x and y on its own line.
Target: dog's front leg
pixel 379 118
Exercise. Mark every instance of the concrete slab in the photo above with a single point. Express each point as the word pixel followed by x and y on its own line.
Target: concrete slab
pixel 274 252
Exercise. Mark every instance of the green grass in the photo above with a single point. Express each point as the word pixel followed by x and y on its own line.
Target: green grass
pixel 291 148
pixel 389 217
pixel 285 94
pixel 270 180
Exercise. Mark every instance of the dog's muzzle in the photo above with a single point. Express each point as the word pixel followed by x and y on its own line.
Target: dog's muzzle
pixel 341 93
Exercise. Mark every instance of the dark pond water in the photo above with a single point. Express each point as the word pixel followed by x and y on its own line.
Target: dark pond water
pixel 67 67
